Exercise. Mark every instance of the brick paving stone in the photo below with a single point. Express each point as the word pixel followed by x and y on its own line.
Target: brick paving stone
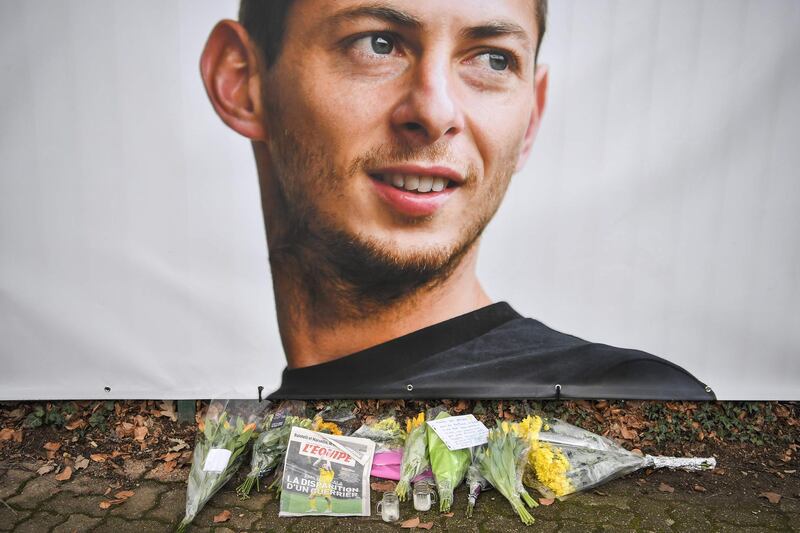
pixel 35 492
pixel 77 523
pixel 228 498
pixel 144 499
pixel 117 524
pixel 242 519
pixel 651 517
pixel 84 484
pixel 742 515
pixel 690 518
pixel 10 517
pixel 12 481
pixel 271 523
pixel 568 527
pixel 39 522
pixel 611 500
pixel 170 507
pixel 84 504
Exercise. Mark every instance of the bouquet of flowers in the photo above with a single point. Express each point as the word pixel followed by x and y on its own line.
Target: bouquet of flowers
pixel 386 433
pixel 502 462
pixel 415 454
pixel 270 447
pixel 223 437
pixel 449 467
pixel 476 483
pixel 564 458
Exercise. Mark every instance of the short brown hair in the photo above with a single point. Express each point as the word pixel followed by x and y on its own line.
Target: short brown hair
pixel 265 22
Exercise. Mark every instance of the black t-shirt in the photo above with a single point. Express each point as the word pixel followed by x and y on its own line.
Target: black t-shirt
pixel 493 352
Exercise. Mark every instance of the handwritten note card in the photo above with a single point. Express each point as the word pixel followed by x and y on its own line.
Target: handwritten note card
pixel 459 432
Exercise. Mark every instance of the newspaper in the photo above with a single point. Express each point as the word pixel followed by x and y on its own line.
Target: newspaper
pixel 326 475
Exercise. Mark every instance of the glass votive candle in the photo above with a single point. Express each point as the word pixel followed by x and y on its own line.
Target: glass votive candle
pixel 424 496
pixel 389 507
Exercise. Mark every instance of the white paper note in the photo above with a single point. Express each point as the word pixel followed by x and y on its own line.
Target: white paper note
pixel 216 460
pixel 459 432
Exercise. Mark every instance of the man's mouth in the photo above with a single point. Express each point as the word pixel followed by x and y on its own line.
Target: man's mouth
pixel 415 183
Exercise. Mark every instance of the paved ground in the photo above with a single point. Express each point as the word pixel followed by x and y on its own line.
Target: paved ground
pixel 41 504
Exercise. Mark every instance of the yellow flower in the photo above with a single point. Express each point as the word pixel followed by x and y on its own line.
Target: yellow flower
pixel 388 424
pixel 551 467
pixel 415 422
pixel 325 427
pixel 549 464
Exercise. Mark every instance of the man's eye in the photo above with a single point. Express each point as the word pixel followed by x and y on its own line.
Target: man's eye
pixel 381 44
pixel 375 44
pixel 496 60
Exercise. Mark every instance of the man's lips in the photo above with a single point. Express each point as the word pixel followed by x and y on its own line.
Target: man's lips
pixel 413 204
pixel 435 171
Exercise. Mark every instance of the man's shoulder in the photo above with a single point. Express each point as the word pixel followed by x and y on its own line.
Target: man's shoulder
pixel 494 353
pixel 526 358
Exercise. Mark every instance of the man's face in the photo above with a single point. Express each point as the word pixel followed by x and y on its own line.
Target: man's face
pixel 399 124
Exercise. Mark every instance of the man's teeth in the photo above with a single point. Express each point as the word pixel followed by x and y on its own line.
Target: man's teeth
pixel 416 183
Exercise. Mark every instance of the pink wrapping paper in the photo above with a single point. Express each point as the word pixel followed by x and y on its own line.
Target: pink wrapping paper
pixel 386 465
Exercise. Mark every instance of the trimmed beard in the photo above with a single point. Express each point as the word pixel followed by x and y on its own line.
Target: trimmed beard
pixel 337 275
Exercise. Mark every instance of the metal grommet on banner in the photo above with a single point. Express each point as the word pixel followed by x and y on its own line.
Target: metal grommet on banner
pixel 558 391
pixel 708 389
pixel 409 387
pixel 107 389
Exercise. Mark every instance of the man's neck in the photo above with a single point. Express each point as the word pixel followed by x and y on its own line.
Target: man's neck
pixel 308 341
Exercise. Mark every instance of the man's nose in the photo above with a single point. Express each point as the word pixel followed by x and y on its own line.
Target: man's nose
pixel 430 109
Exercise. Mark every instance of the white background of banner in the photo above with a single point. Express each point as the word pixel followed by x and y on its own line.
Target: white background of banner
pixel 660 209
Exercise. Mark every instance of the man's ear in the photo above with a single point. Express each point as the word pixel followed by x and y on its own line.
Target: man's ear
pixel 230 70
pixel 540 93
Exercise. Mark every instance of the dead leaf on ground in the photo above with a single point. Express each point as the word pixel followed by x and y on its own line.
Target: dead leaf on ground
pixel 81 462
pixel 383 486
pixel 180 445
pixel 171 456
pixel 65 474
pixel 546 501
pixel 460 406
pixel 425 525
pixel 773 497
pixel 410 523
pixel 46 469
pixel 448 515
pixel 105 504
pixel 124 494
pixel 699 488
pixel 78 423
pixel 169 466
pixel 224 516
pixel 663 487
pixel 167 408
pixel 6 434
pixel 52 446
pixel 98 457
pixel 140 433
pixel 628 434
